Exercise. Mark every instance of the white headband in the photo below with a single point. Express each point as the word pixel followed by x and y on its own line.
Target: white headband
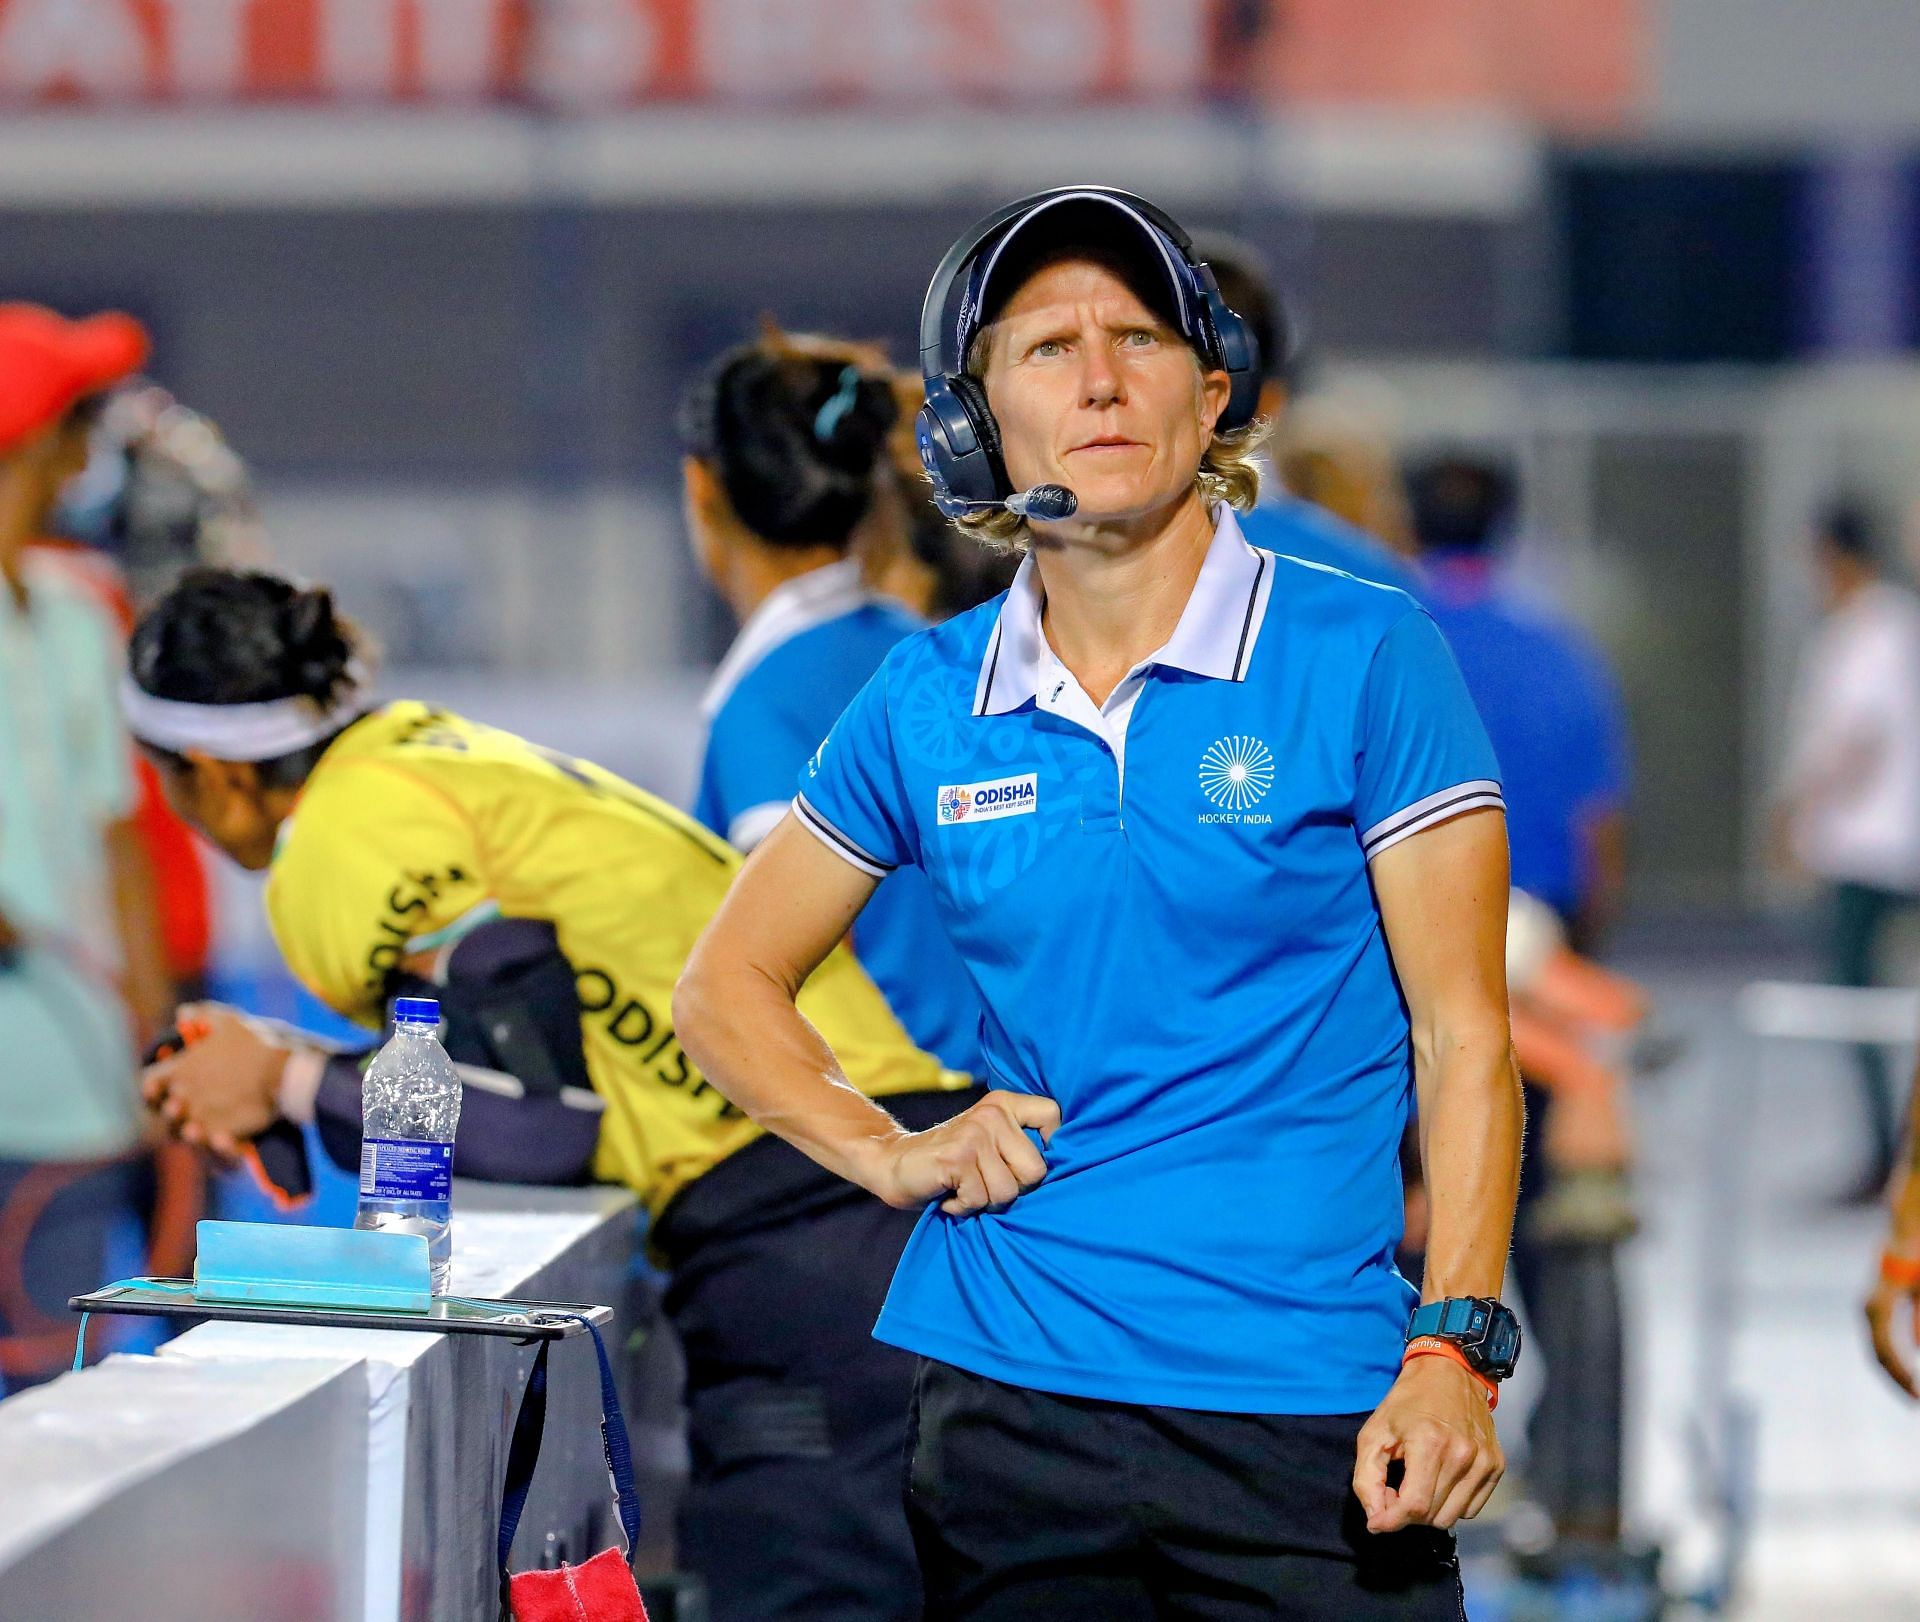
pixel 242 732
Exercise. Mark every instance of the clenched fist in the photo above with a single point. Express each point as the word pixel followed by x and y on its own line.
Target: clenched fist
pixel 976 1161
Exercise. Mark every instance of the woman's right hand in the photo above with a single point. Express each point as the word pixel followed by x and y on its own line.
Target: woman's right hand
pixel 980 1159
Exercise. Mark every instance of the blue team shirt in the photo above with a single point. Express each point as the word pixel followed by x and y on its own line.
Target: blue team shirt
pixel 1169 917
pixel 797 662
pixel 1295 528
pixel 1555 717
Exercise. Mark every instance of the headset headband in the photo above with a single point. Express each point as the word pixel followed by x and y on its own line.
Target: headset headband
pixel 935 358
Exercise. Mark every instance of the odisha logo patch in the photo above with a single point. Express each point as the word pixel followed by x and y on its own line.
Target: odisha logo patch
pixel 1236 772
pixel 984 802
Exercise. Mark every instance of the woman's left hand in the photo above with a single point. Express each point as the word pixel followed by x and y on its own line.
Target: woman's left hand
pixel 1437 1423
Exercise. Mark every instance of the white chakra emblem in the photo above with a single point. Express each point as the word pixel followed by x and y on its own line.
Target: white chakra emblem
pixel 1236 773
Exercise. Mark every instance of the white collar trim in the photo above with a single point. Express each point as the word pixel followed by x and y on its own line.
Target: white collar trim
pixel 1215 637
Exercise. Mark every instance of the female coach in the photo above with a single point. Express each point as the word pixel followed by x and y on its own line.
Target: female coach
pixel 786 450
pixel 1218 834
pixel 550 906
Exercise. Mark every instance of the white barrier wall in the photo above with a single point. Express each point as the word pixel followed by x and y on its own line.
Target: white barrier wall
pixel 158 1488
pixel 270 1473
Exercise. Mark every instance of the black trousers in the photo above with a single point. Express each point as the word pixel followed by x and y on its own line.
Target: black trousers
pixel 1027 1505
pixel 1576 1321
pixel 797 1416
pixel 1861 914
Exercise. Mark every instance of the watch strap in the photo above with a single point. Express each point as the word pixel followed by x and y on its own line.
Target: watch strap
pixel 1482 1329
pixel 1429 1346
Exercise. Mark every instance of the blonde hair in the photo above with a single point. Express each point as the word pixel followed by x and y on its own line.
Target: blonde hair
pixel 1229 471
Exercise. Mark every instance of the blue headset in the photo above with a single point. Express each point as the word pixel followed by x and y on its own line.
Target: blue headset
pixel 958 438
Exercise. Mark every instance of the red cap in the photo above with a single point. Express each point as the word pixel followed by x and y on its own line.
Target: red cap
pixel 48 364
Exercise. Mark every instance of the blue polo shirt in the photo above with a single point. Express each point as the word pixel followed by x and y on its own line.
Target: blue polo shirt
pixel 799 658
pixel 1165 903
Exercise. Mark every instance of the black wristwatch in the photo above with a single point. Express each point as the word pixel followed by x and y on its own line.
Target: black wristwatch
pixel 1484 1332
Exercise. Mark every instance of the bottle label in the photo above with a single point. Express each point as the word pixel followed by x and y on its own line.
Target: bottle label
pixel 405 1169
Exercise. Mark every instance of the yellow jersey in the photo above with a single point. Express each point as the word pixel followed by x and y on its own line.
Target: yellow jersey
pixel 416 822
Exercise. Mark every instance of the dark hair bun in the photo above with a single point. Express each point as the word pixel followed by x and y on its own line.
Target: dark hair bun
pixel 231 636
pixel 852 423
pixel 798 440
pixel 317 650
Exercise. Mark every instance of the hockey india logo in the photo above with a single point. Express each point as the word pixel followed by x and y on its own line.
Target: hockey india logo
pixel 1236 772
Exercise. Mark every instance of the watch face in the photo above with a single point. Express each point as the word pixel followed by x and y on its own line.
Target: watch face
pixel 1485 1331
pixel 1501 1348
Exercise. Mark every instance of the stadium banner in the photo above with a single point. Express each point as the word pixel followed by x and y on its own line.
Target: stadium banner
pixel 1582 66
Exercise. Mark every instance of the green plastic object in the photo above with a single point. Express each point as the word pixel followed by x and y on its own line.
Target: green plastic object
pixel 281 1264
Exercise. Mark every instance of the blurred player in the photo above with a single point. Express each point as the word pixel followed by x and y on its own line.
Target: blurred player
pixel 786 451
pixel 1315 522
pixel 907 549
pixel 1558 726
pixel 550 906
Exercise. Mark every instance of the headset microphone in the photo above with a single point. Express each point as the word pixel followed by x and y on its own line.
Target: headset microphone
pixel 1046 502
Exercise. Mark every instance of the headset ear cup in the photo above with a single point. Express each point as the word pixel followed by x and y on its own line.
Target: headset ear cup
pixel 960 444
pixel 1239 359
pixel 972 394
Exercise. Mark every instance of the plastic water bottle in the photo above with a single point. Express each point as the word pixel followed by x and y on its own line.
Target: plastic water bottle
pixel 410 1105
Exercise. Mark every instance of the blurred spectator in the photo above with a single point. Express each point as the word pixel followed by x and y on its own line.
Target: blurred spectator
pixel 1549 699
pixel 1554 714
pixel 160 492
pixel 77 922
pixel 787 446
pixel 1850 799
pixel 1283 521
pixel 1336 452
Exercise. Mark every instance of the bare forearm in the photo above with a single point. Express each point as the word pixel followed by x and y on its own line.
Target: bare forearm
pixel 1471 1119
pixel 137 918
pixel 755 1046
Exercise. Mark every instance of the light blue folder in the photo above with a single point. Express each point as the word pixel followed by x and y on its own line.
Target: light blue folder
pixel 287 1265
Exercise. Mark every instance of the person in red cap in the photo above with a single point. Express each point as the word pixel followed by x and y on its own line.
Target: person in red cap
pixel 81 978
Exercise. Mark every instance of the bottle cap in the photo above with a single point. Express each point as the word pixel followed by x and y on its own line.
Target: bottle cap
pixel 416 1011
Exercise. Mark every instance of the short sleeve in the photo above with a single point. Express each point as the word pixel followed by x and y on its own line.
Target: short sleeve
pixel 1421 753
pixel 850 793
pixel 746 779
